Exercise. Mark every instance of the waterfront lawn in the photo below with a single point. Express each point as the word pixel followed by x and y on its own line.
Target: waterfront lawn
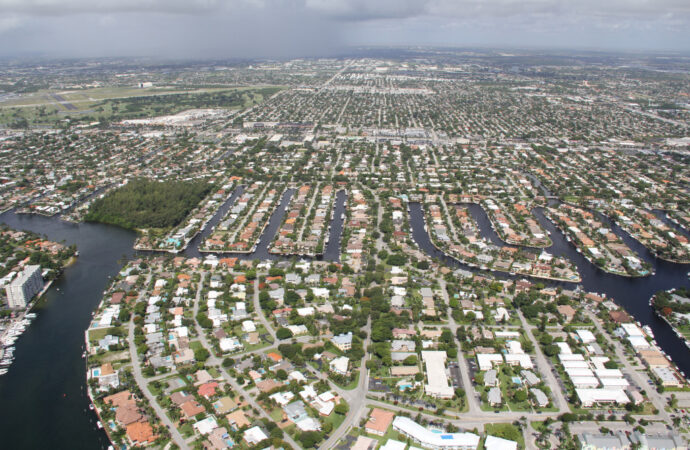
pixel 96 334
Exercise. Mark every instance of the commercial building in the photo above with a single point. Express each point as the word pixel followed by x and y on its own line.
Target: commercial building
pixel 621 441
pixel 438 386
pixel 430 439
pixel 24 287
pixel 590 397
pixel 497 443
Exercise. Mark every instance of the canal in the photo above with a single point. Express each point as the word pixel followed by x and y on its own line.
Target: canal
pixel 43 395
pixel 631 293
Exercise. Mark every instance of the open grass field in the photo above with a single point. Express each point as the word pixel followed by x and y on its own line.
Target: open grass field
pixel 50 108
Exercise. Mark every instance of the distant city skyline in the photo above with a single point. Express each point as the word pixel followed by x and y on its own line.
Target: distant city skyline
pixel 276 28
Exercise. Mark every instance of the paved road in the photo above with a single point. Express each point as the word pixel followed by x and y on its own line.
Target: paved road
pixel 143 385
pixel 215 361
pixel 357 400
pixel 472 401
pixel 545 369
pixel 656 399
pixel 260 312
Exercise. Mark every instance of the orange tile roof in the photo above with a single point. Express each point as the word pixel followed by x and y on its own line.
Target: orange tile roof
pixel 140 432
pixel 275 356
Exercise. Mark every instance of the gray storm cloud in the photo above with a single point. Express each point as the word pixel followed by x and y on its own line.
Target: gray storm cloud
pixel 274 28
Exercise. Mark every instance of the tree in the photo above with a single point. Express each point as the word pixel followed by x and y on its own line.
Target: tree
pixel 143 203
pixel 309 438
pixel 410 360
pixel 201 354
pixel 281 374
pixel 341 408
pixel 283 333
pixel 396 259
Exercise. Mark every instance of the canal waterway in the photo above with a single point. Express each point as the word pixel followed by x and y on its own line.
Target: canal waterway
pixel 43 395
pixel 43 398
pixel 632 294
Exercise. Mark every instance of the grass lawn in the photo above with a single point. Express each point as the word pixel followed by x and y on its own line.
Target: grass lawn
pixel 276 414
pixel 117 103
pixel 335 419
pixel 352 385
pixel 186 430
pixel 156 387
pixel 505 431
pixel 97 334
pixel 195 345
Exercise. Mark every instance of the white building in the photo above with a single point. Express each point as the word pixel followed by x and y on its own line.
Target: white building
pixel 24 287
pixel 429 439
pixel 435 362
pixel 590 397
pixel 340 365
pixel 497 443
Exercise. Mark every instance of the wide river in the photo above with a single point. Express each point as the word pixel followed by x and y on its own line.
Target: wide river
pixel 43 398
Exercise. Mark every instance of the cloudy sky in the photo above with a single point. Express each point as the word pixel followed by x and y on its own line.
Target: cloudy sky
pixel 289 28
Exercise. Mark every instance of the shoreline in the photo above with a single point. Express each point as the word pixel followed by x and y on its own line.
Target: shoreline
pixel 487 269
pixel 587 256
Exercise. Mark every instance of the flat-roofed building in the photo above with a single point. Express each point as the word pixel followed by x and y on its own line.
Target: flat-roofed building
pixel 497 443
pixel 434 440
pixel 24 287
pixel 618 441
pixel 540 398
pixel 590 397
pixel 435 363
pixel 487 361
pixel 667 377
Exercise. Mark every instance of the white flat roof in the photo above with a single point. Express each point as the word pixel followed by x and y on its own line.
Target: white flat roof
pixel 497 443
pixel 614 382
pixel 585 381
pixel 524 360
pixel 435 362
pixel 608 373
pixel 579 372
pixel 575 364
pixel 564 348
pixel 392 444
pixel 486 360
pixel 425 436
pixel 589 396
pixel 586 336
pixel 632 329
pixel 571 357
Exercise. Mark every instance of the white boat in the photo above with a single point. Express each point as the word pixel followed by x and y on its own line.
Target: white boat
pixel 3 371
pixel 100 425
pixel 91 406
